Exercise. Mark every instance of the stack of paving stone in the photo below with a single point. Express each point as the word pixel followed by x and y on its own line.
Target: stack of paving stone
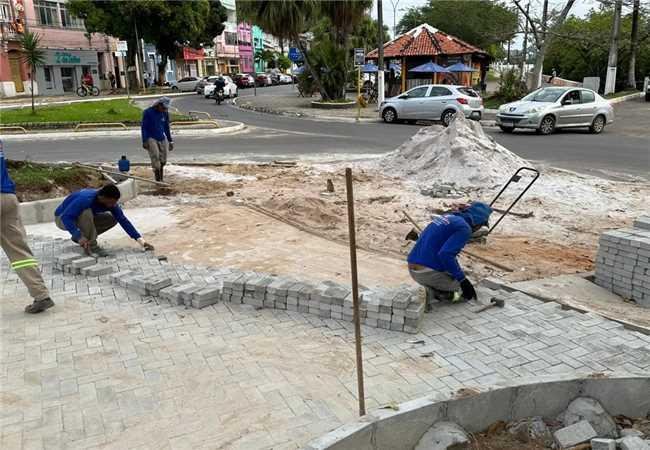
pixel 623 262
pixel 396 309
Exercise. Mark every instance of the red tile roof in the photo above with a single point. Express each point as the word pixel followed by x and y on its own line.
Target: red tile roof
pixel 424 40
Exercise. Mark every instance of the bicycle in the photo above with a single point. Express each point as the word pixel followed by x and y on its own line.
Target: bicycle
pixel 84 90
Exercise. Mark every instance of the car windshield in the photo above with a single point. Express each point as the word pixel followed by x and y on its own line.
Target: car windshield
pixel 547 95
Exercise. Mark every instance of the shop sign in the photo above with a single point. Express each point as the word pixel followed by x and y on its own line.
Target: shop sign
pixel 70 58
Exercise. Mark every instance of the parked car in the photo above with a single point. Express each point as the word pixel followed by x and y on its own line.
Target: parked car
pixel 244 80
pixel 263 79
pixel 549 108
pixel 229 91
pixel 204 82
pixel 285 79
pixel 184 84
pixel 432 102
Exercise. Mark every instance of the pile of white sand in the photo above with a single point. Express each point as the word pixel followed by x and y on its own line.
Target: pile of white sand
pixel 206 173
pixel 461 155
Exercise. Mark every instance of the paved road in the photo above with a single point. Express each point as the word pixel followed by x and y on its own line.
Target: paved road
pixel 621 149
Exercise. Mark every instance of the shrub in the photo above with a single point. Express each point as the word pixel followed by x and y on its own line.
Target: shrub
pixel 511 86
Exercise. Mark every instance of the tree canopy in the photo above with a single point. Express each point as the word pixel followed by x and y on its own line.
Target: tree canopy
pixel 580 47
pixel 168 24
pixel 484 23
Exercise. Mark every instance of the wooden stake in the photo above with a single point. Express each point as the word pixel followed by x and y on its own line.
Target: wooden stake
pixel 355 291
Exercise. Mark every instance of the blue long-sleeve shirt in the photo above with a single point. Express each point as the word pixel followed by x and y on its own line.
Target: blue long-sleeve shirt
pixel 440 243
pixel 7 186
pixel 155 125
pixel 77 202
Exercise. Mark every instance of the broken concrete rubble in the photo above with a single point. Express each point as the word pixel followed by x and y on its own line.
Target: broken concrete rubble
pixel 578 433
pixel 444 436
pixel 585 408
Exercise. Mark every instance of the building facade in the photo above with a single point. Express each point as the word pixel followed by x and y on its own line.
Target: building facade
pixel 227 47
pixel 69 53
pixel 246 56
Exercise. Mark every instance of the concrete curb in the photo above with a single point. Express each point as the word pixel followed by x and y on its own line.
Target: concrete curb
pixel 626 98
pixel 96 99
pixel 235 127
pixel 40 211
pixel 305 116
pixel 403 426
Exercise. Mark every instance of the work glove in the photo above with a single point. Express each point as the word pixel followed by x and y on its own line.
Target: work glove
pixel 171 146
pixel 468 290
pixel 145 245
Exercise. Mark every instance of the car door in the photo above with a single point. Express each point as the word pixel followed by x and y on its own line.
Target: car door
pixel 436 102
pixel 588 106
pixel 412 101
pixel 570 111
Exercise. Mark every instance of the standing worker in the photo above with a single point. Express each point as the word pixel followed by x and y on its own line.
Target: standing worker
pixel 156 136
pixel 433 260
pixel 13 239
pixel 87 213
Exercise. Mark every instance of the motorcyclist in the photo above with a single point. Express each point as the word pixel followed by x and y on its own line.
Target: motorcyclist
pixel 219 85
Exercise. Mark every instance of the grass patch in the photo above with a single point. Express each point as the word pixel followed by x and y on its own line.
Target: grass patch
pixel 120 110
pixel 35 181
pixel 622 93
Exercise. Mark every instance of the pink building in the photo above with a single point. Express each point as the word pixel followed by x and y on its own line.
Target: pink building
pixel 246 55
pixel 227 49
pixel 68 53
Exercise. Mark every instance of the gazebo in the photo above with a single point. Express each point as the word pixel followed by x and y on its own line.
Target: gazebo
pixel 465 63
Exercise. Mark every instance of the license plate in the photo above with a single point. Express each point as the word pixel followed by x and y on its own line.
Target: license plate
pixel 507 123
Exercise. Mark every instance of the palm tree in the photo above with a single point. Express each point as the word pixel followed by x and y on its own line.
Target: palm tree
pixel 33 56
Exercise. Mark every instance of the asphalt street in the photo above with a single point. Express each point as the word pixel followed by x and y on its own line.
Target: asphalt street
pixel 622 148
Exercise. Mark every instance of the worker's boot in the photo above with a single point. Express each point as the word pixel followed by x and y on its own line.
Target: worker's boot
pixel 156 174
pixel 162 169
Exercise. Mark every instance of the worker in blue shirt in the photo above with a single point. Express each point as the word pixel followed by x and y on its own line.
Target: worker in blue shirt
pixel 13 240
pixel 87 213
pixel 156 135
pixel 433 260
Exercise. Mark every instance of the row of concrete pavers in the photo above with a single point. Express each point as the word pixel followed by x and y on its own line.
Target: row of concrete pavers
pixel 623 262
pixel 397 309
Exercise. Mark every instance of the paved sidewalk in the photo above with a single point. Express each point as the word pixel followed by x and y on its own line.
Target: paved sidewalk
pixel 293 105
pixel 109 368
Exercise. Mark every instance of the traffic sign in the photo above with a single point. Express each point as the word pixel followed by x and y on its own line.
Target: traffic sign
pixel 122 46
pixel 359 56
pixel 294 54
pixel 120 53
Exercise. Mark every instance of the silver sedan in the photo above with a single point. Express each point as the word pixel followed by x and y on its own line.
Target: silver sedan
pixel 549 108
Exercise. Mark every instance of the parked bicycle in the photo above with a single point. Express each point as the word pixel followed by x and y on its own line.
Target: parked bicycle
pixel 85 90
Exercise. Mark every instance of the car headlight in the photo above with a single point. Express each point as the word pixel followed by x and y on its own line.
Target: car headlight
pixel 534 110
pixel 502 108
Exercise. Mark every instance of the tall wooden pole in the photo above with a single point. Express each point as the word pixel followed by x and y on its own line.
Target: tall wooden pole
pixel 355 291
pixel 380 48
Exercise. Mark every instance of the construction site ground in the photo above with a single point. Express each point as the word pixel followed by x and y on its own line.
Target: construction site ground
pixel 280 219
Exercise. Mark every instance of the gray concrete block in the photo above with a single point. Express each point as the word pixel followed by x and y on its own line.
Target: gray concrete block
pixel 80 263
pixel 97 270
pixel 603 444
pixel 633 443
pixel 575 434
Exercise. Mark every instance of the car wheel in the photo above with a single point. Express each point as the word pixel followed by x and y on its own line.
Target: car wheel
pixel 389 115
pixel 598 125
pixel 507 129
pixel 547 126
pixel 447 117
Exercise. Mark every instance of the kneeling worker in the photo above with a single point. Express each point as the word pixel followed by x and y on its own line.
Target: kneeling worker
pixel 90 212
pixel 433 260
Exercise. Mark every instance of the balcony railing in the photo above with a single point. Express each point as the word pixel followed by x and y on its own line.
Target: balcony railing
pixel 10 31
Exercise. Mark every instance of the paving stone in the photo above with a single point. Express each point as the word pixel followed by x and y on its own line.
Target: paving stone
pixel 97 270
pixel 575 434
pixel 603 444
pixel 632 443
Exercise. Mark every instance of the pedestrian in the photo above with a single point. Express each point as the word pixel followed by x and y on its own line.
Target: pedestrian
pixel 13 240
pixel 113 81
pixel 433 260
pixel 156 136
pixel 87 213
pixel 553 75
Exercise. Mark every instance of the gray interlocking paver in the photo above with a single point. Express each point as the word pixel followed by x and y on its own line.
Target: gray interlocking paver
pixel 114 368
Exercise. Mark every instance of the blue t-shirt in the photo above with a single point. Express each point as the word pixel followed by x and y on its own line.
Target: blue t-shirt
pixel 7 186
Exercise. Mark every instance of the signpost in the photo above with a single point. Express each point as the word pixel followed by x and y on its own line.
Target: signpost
pixel 294 54
pixel 359 56
pixel 122 48
pixel 359 60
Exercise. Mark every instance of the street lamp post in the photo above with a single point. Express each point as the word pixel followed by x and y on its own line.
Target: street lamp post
pixel 394 3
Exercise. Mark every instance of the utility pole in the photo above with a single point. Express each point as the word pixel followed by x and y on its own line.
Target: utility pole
pixel 524 51
pixel 380 59
pixel 634 45
pixel 610 81
pixel 538 82
pixel 138 69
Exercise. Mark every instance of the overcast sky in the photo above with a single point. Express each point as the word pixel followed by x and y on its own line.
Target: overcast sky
pixel 580 8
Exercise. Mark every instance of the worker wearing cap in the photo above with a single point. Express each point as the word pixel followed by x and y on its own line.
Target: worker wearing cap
pixel 433 260
pixel 156 135
pixel 14 243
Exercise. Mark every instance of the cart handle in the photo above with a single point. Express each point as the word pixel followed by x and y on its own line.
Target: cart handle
pixel 513 179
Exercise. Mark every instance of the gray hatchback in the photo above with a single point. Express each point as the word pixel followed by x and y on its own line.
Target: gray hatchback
pixel 432 102
pixel 549 108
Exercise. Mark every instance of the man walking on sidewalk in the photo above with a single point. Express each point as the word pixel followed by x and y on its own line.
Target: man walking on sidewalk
pixel 156 136
pixel 14 243
pixel 87 213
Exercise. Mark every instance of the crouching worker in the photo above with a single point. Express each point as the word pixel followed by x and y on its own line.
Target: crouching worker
pixel 87 213
pixel 433 260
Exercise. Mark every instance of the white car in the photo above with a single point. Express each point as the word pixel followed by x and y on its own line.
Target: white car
pixel 229 91
pixel 283 78
pixel 184 84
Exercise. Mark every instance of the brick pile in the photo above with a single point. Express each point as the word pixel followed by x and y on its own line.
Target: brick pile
pixel 398 309
pixel 623 262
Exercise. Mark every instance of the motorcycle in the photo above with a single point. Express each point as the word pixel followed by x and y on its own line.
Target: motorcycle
pixel 219 96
